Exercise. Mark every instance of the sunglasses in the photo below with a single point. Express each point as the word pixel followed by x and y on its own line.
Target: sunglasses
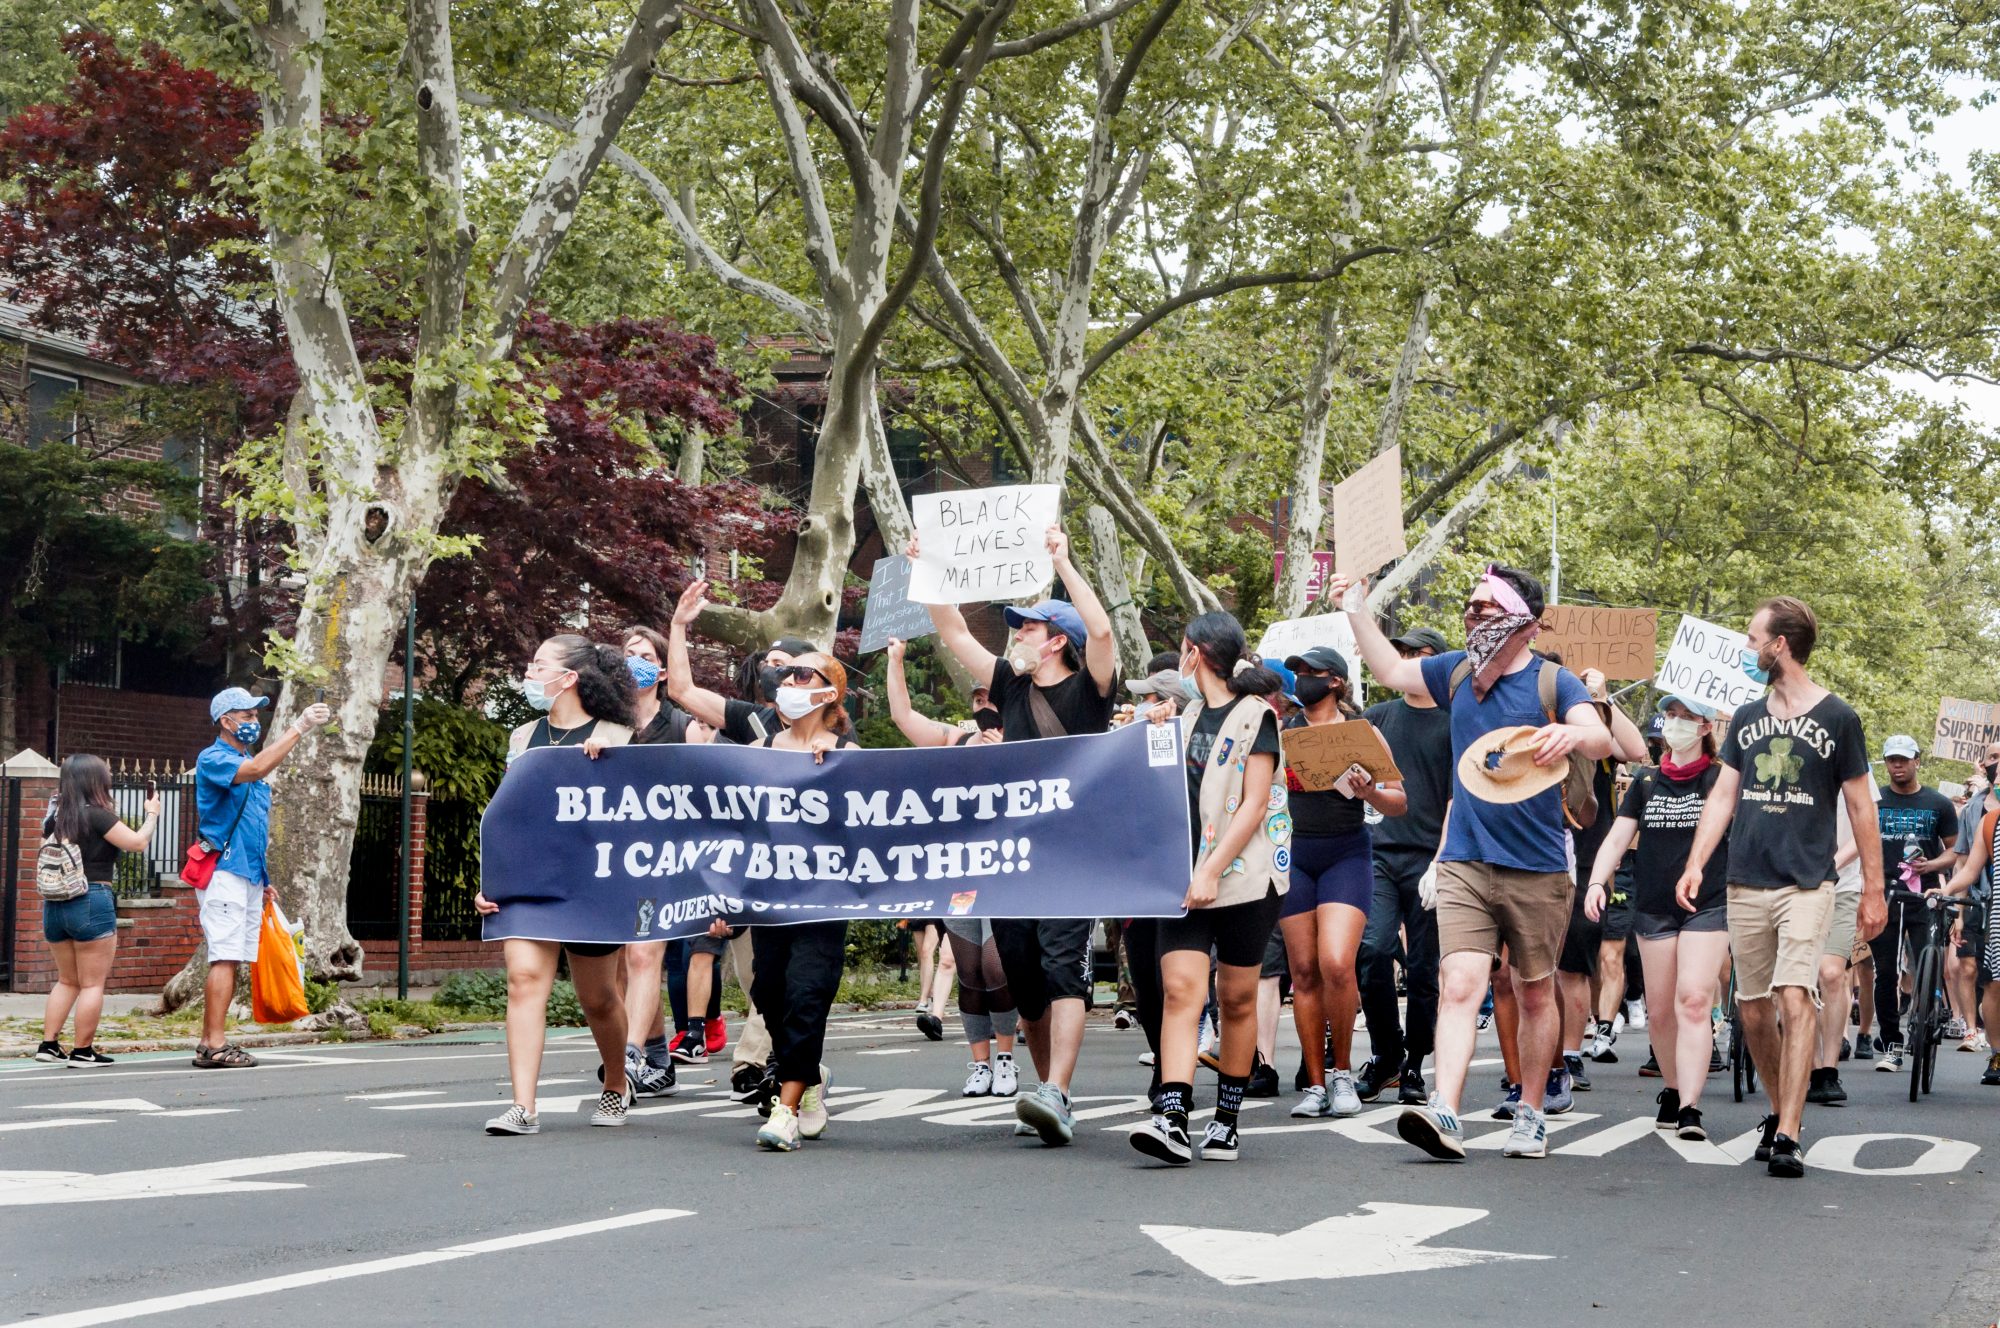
pixel 803 673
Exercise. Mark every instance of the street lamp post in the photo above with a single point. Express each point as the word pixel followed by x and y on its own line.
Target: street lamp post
pixel 403 858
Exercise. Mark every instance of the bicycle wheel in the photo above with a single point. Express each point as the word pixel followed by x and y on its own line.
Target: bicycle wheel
pixel 1740 1080
pixel 1923 1019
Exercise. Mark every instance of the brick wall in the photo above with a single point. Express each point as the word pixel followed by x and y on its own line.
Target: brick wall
pixel 137 726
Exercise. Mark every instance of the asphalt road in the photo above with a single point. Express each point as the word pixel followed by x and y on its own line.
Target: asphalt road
pixel 354 1184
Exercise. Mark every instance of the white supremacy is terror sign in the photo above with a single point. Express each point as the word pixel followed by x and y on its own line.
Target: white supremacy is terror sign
pixel 982 544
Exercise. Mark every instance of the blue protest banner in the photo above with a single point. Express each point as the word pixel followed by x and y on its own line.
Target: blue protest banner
pixel 647 843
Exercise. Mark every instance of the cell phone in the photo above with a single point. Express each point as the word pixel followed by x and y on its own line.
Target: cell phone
pixel 319 696
pixel 152 789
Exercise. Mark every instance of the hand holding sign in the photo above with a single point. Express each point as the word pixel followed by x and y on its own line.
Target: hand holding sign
pixel 984 544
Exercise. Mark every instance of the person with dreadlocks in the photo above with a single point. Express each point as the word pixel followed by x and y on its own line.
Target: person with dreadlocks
pixel 1503 873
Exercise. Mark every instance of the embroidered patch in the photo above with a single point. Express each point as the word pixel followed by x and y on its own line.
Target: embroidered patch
pixel 1279 828
pixel 1277 802
pixel 1231 805
pixel 1282 859
pixel 1222 752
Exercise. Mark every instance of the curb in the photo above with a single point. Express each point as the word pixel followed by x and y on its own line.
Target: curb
pixel 130 1046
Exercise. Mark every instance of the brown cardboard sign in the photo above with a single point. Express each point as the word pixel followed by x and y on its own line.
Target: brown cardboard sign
pixel 1622 644
pixel 1368 516
pixel 1320 754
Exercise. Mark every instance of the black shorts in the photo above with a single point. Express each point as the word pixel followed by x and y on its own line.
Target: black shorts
pixel 708 945
pixel 1238 933
pixel 1580 942
pixel 1044 961
pixel 582 951
pixel 1277 963
pixel 1989 950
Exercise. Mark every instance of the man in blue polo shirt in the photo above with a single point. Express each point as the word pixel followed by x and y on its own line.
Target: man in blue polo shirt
pixel 233 804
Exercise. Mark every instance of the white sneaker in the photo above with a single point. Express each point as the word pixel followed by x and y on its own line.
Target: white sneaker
pixel 1341 1095
pixel 1635 1013
pixel 515 1120
pixel 1892 1060
pixel 1146 1058
pixel 1530 1135
pixel 812 1112
pixel 612 1108
pixel 1955 1028
pixel 1209 1048
pixel 979 1083
pixel 1006 1079
pixel 1313 1103
pixel 780 1134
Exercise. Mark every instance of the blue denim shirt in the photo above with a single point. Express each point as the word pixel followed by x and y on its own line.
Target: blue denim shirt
pixel 218 798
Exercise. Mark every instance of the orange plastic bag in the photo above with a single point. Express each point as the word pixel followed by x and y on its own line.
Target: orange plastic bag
pixel 278 980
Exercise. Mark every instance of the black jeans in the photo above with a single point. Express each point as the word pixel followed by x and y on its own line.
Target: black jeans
pixel 1907 919
pixel 1142 951
pixel 1395 906
pixel 797 974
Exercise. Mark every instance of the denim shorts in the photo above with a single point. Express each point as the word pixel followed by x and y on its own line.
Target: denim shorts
pixel 91 916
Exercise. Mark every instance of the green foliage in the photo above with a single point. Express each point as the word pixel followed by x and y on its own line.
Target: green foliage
pixel 33 68
pixel 427 1015
pixel 872 945
pixel 319 995
pixel 482 995
pixel 462 753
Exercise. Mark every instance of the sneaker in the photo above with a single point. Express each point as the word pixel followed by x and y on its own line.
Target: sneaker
pixel 1992 1076
pixel 1164 1139
pixel 930 1025
pixel 1954 1028
pixel 1867 1044
pixel 1300 1079
pixel 1769 1125
pixel 1434 1128
pixel 87 1058
pixel 1975 1041
pixel 612 1108
pixel 1556 1098
pixel 1147 1058
pixel 1046 1110
pixel 1530 1135
pixel 1600 1044
pixel 766 1093
pixel 1670 1109
pixel 1579 1078
pixel 1846 1049
pixel 51 1053
pixel 1816 1090
pixel 812 1115
pixel 1121 1019
pixel 1375 1075
pixel 1508 1104
pixel 1006 1079
pixel 650 1080
pixel 1689 1126
pixel 1635 1013
pixel 691 1048
pixel 1651 1069
pixel 716 1035
pixel 1023 1130
pixel 1209 1048
pixel 743 1080
pixel 780 1134
pixel 515 1120
pixel 979 1083
pixel 1314 1102
pixel 1219 1143
pixel 1892 1059
pixel 1341 1097
pixel 1263 1078
pixel 1410 1090
pixel 1835 1094
pixel 1786 1160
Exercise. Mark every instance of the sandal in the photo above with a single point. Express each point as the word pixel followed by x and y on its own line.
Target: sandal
pixel 228 1056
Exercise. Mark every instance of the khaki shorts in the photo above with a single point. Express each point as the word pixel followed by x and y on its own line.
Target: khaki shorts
pixel 1776 937
pixel 1482 907
pixel 1840 932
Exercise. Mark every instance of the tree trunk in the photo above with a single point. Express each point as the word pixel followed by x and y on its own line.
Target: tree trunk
pixel 1116 590
pixel 1447 529
pixel 1308 514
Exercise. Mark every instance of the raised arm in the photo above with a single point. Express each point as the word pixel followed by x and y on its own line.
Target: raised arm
pixel 1389 668
pixel 1627 743
pixel 277 749
pixel 974 658
pixel 1100 648
pixel 124 837
pixel 921 730
pixel 711 708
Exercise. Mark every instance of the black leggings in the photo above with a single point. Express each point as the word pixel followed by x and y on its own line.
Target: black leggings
pixel 796 976
pixel 985 1005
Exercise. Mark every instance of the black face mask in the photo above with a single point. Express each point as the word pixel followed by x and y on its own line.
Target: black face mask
pixel 769 677
pixel 1311 690
pixel 986 719
pixel 1991 771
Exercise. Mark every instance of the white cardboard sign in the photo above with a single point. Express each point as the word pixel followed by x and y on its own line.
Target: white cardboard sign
pixel 1712 665
pixel 982 544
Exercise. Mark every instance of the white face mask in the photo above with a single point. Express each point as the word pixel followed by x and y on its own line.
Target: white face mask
pixel 1024 659
pixel 795 703
pixel 1680 734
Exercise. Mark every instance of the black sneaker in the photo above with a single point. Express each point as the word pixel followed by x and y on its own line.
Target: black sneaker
pixel 1816 1090
pixel 1578 1080
pixel 1410 1088
pixel 1836 1096
pixel 86 1058
pixel 1769 1125
pixel 930 1025
pixel 1670 1109
pixel 1651 1069
pixel 1689 1125
pixel 1846 1049
pixel 1299 1080
pixel 1992 1076
pixel 51 1053
pixel 743 1081
pixel 1374 1075
pixel 1263 1078
pixel 690 1050
pixel 1786 1160
pixel 1164 1139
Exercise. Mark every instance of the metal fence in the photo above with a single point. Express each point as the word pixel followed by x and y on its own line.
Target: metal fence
pixel 139 875
pixel 375 867
pixel 451 869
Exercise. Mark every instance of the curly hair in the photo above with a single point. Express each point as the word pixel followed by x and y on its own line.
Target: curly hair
pixel 603 683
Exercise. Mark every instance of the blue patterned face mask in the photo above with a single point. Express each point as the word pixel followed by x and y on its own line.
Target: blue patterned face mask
pixel 645 673
pixel 248 732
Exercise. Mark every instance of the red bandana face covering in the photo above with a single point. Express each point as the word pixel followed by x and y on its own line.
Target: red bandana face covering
pixel 1491 644
pixel 1679 773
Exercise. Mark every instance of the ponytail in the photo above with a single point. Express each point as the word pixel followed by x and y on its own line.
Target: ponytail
pixel 604 685
pixel 1218 638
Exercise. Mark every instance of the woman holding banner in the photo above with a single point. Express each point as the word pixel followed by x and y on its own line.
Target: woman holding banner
pixel 1333 880
pixel 1242 851
pixel 585 692
pixel 796 968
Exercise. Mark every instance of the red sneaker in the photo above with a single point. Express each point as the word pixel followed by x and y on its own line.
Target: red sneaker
pixel 717 1035
pixel 674 1042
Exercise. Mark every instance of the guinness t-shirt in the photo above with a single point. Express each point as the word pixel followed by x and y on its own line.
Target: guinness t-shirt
pixel 1786 826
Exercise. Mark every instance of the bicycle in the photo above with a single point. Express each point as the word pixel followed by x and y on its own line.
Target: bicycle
pixel 1929 1010
pixel 1742 1069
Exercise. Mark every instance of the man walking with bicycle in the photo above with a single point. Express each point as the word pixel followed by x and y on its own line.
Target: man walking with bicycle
pixel 1918 825
pixel 1791 756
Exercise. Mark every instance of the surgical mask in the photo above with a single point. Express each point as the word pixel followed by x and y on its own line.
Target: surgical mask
pixel 537 695
pixel 249 731
pixel 1190 688
pixel 795 703
pixel 645 673
pixel 1311 690
pixel 768 678
pixel 1680 734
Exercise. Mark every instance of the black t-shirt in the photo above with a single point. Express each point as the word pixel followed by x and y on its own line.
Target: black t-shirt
pixel 1924 818
pixel 1322 812
pixel 1420 740
pixel 1787 822
pixel 1667 811
pixel 1078 706
pixel 576 737
pixel 736 726
pixel 840 740
pixel 1201 741
pixel 1591 838
pixel 670 725
pixel 100 855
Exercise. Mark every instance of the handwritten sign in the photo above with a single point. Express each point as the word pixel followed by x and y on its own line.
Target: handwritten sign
pixel 982 544
pixel 1322 568
pixel 1368 516
pixel 1320 754
pixel 1621 644
pixel 1295 636
pixel 1712 665
pixel 890 611
pixel 1964 728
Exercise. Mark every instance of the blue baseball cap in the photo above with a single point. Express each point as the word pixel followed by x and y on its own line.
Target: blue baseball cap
pixel 1700 708
pixel 1059 614
pixel 234 698
pixel 1289 681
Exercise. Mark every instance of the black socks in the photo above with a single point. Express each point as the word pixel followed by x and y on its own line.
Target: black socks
pixel 1172 1102
pixel 1229 1097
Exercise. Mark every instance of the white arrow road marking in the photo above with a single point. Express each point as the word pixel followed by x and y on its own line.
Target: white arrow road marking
pixel 54 1124
pixel 1385 1238
pixel 193 1111
pixel 385 1097
pixel 314 1277
pixel 22 1188
pixel 102 1104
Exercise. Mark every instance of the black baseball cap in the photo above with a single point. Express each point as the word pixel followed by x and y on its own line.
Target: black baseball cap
pixel 1422 638
pixel 1320 659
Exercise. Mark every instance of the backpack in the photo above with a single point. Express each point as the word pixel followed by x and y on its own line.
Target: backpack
pixel 1579 793
pixel 59 871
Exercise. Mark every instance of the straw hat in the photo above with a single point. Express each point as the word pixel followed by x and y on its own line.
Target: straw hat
pixel 1500 767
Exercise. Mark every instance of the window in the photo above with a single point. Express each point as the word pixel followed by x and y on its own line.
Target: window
pixel 914 472
pixel 184 455
pixel 51 407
